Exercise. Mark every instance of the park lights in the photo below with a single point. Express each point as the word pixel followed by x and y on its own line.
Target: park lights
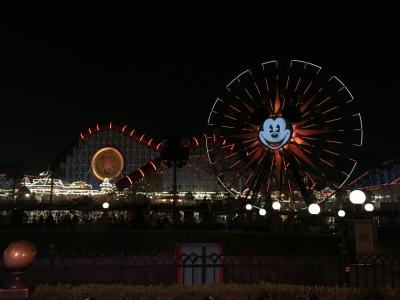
pixel 314 209
pixel 341 213
pixel 369 207
pixel 357 197
pixel 276 205
pixel 261 211
pixel 106 205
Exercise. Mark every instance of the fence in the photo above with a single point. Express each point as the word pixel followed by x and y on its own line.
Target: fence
pixel 365 270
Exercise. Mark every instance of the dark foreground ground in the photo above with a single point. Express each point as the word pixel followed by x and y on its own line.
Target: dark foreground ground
pixel 218 292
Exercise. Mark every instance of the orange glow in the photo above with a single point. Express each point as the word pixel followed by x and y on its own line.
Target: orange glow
pixel 133 130
pixel 297 151
pixel 312 181
pixel 251 152
pixel 278 165
pixel 277 104
pixel 324 161
pixel 234 108
pixel 307 132
pixel 334 142
pixel 247 92
pixel 230 155
pixel 305 91
pixel 326 99
pixel 299 141
pixel 248 141
pixel 329 110
pixel 308 126
pixel 154 166
pixel 234 164
pixel 334 153
pixel 333 120
pixel 249 108
pixel 230 117
pixel 248 178
pixel 107 163
pixel 141 172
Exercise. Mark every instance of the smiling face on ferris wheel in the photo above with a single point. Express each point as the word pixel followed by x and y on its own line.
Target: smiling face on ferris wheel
pixel 275 133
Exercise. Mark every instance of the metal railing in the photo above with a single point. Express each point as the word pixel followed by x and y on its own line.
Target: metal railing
pixel 376 270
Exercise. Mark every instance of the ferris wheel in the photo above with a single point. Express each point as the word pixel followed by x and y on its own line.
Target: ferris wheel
pixel 285 126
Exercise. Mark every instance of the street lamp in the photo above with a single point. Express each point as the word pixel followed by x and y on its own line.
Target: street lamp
pixel 357 197
pixel 341 213
pixel 249 206
pixel 106 205
pixel 369 207
pixel 262 212
pixel 314 209
pixel 276 205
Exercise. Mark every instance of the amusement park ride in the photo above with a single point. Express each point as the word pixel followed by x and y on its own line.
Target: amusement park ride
pixel 279 132
pixel 287 127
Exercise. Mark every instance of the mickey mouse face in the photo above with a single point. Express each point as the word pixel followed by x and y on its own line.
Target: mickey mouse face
pixel 275 133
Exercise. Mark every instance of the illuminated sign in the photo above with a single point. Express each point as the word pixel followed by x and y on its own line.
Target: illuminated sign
pixel 275 133
pixel 107 163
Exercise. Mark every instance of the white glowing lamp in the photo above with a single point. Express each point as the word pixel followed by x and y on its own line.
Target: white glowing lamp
pixel 276 205
pixel 369 207
pixel 249 206
pixel 341 213
pixel 262 212
pixel 106 205
pixel 357 197
pixel 314 209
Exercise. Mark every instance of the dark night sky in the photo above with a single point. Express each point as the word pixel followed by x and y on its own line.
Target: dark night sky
pixel 65 67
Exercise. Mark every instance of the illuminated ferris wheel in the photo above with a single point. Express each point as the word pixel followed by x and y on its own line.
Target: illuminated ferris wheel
pixel 287 127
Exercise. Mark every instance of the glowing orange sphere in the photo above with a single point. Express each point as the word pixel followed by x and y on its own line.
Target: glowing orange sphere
pixel 19 255
pixel 107 163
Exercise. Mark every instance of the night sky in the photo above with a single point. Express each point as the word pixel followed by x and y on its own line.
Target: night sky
pixel 65 67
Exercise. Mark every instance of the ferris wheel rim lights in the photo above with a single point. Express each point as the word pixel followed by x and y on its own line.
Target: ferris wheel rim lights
pixel 285 115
